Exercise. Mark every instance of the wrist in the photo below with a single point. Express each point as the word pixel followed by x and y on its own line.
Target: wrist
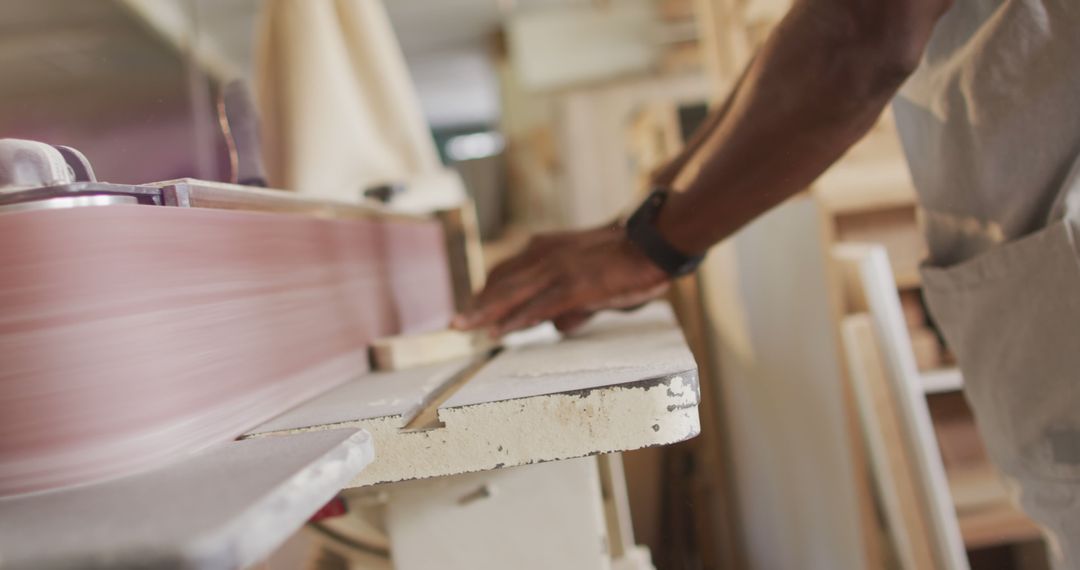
pixel 643 231
pixel 677 228
pixel 647 269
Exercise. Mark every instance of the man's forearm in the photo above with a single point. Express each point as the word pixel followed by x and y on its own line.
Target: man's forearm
pixel 816 87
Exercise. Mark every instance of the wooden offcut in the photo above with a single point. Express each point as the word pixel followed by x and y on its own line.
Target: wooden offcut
pixel 411 351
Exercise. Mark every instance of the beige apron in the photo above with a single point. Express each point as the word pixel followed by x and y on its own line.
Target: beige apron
pixel 990 128
pixel 1012 315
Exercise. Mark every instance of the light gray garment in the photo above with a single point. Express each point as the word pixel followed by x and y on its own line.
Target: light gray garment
pixel 991 127
pixel 991 121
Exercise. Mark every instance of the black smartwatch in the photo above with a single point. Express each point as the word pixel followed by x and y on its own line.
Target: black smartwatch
pixel 641 230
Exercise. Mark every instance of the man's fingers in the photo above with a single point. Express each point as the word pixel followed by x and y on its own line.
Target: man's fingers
pixel 548 304
pixel 507 268
pixel 504 297
pixel 569 322
pixel 632 300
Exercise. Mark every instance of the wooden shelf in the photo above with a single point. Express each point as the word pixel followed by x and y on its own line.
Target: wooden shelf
pixel 867 186
pixel 984 509
pixel 873 176
pixel 996 525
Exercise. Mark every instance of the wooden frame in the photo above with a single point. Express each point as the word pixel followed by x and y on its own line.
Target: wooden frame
pixel 910 445
pixel 906 523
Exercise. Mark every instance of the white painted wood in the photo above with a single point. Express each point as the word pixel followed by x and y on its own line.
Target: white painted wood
pixel 896 482
pixel 386 396
pixel 614 349
pixel 226 507
pixel 534 517
pixel 767 293
pixel 424 349
pixel 627 382
pixel 616 505
pixel 879 288
pixel 637 559
pixel 941 381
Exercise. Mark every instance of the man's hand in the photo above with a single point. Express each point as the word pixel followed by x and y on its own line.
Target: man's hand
pixel 565 277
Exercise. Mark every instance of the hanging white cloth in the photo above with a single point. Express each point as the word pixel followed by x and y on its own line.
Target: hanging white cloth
pixel 340 112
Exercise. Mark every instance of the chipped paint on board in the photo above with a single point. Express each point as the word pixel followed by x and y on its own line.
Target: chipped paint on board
pixel 535 429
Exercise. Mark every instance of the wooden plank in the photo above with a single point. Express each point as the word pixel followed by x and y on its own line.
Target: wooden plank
pixel 427 417
pixel 944 380
pixel 976 488
pixel 871 264
pixel 226 507
pixel 423 349
pixel 193 193
pixel 647 490
pixel 1000 524
pixel 464 252
pixel 389 397
pixel 894 228
pixel 896 482
pixel 614 388
pixel 873 533
pixel 551 427
pixel 611 350
pixel 794 461
pixel 958 437
pixel 620 529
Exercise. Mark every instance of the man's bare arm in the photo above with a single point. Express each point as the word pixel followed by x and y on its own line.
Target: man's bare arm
pixel 817 85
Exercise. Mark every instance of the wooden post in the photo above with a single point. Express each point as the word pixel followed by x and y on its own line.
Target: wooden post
pixel 464 252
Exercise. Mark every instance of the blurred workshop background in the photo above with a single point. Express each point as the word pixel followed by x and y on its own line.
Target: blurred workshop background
pixel 834 433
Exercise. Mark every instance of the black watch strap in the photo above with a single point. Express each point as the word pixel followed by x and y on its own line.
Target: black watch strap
pixel 641 230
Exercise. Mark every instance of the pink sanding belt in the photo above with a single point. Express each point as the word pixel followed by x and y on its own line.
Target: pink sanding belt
pixel 133 335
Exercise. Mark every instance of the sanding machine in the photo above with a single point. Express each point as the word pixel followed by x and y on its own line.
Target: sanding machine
pixel 140 322
pixel 185 379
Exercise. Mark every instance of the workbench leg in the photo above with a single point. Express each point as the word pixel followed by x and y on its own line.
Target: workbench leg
pixel 626 554
pixel 543 516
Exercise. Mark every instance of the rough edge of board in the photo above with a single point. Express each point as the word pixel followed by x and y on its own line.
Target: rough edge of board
pixel 508 433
